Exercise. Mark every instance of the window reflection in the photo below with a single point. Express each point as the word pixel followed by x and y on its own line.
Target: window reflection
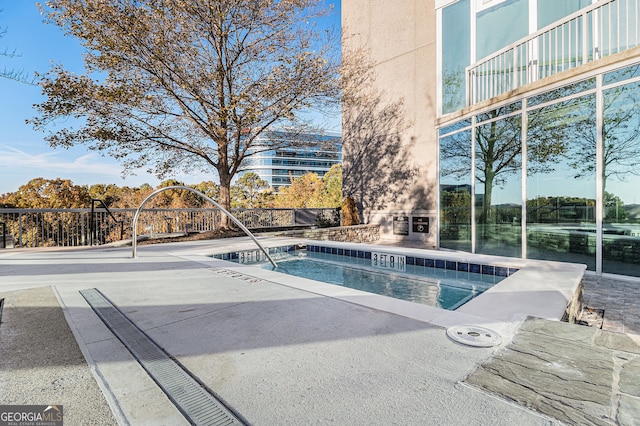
pixel 550 11
pixel 621 74
pixel 455 191
pixel 498 186
pixel 456 54
pixel 561 184
pixel 621 179
pixel 491 33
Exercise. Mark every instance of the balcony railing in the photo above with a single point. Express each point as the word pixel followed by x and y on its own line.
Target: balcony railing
pixel 602 29
pixel 72 227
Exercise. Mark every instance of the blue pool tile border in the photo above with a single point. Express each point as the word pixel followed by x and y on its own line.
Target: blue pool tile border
pixel 452 265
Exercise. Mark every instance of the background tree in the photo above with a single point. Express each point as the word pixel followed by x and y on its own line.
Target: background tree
pixel 304 191
pixel 311 191
pixel 332 196
pixel 132 197
pixel 614 208
pixel 110 194
pixel 189 85
pixel 250 191
pixel 40 193
pixel 350 214
pixel 210 189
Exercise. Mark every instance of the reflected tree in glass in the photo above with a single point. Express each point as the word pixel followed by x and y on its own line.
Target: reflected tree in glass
pixel 560 216
pixel 455 191
pixel 498 175
pixel 498 155
pixel 621 179
pixel 621 133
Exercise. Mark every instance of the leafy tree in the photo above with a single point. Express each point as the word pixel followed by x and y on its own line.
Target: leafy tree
pixel 350 214
pixel 311 191
pixel 109 194
pixel 250 191
pixel 189 84
pixel 132 197
pixel 40 193
pixel 614 208
pixel 305 191
pixel 457 209
pixel 559 209
pixel 332 196
pixel 208 188
pixel 177 199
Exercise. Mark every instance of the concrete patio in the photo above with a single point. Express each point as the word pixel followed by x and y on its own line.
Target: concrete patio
pixel 278 354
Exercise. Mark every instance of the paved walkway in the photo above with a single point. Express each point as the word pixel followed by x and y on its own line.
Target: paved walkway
pixel 282 355
pixel 618 300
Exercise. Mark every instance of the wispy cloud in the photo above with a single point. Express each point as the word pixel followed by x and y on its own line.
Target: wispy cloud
pixel 17 167
pixel 57 163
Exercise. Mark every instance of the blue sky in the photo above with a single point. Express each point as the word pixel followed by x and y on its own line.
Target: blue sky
pixel 24 154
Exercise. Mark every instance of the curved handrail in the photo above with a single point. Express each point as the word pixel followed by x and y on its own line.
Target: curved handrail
pixel 157 191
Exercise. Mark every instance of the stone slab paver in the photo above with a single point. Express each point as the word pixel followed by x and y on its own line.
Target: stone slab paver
pixel 565 371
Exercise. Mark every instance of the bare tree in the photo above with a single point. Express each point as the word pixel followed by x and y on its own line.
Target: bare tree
pixel 620 135
pixel 175 84
pixel 11 73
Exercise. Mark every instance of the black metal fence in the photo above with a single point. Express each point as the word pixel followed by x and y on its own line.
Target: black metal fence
pixel 80 227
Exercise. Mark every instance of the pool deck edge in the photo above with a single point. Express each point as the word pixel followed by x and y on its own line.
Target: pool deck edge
pixel 542 289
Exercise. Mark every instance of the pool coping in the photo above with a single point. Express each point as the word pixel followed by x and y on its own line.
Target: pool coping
pixel 540 288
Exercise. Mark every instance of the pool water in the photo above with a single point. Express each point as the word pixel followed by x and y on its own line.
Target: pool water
pixel 439 287
pixel 425 290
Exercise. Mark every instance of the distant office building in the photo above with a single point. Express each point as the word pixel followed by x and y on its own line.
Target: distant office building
pixel 523 125
pixel 278 166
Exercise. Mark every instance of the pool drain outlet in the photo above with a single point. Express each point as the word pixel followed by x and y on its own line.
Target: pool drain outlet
pixel 471 335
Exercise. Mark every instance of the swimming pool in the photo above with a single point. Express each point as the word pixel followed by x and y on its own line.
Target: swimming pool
pixel 433 282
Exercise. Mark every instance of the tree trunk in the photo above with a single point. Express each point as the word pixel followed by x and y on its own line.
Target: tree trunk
pixel 485 219
pixel 225 197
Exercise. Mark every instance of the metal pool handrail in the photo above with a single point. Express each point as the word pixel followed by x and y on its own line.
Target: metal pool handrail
pixel 134 241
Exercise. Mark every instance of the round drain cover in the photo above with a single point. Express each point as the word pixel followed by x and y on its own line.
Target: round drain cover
pixel 471 335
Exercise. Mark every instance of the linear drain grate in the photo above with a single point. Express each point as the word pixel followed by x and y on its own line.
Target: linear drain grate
pixel 197 405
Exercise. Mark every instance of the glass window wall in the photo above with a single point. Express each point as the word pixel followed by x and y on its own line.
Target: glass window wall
pixel 562 193
pixel 561 182
pixel 621 180
pixel 550 11
pixel 456 54
pixel 455 191
pixel 501 25
pixel 498 189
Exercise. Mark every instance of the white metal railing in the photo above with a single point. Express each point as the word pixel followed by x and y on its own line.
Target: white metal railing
pixel 599 30
pixel 72 227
